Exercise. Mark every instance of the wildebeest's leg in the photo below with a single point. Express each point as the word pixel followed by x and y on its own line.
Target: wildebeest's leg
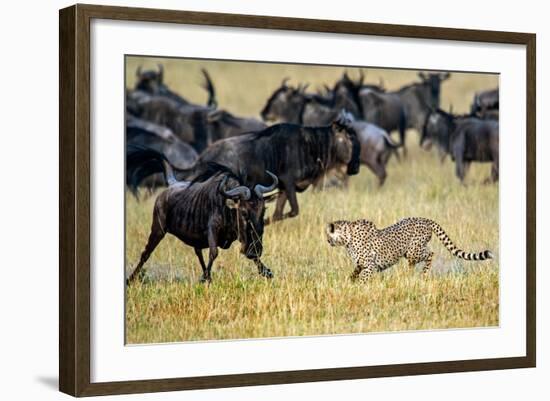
pixel 156 235
pixel 384 156
pixel 494 171
pixel 402 130
pixel 279 207
pixel 494 166
pixel 374 164
pixel 198 252
pixel 460 168
pixel 293 200
pixel 212 255
pixel 380 172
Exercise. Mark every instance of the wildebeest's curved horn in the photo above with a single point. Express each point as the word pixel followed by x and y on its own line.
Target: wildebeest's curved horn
pixel 138 71
pixel 361 78
pixel 241 191
pixel 260 189
pixel 285 80
pixel 161 71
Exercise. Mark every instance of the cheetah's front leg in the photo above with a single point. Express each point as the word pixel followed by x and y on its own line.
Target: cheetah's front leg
pixel 367 271
pixel 365 274
pixel 356 272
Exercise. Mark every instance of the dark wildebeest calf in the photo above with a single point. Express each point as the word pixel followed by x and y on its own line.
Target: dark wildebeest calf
pixel 212 211
pixel 467 139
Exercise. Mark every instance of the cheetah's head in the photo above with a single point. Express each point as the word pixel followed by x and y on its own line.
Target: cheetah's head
pixel 342 232
pixel 338 232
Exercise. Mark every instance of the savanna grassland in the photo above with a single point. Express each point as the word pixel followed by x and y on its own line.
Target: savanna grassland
pixel 311 293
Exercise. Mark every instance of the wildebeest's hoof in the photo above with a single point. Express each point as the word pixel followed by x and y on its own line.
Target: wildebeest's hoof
pixel 267 273
pixel 205 280
pixel 135 277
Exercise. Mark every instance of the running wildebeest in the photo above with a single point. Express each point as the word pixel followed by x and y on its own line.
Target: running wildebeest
pixel 486 104
pixel 298 155
pixel 467 139
pixel 213 210
pixel 376 146
pixel 141 133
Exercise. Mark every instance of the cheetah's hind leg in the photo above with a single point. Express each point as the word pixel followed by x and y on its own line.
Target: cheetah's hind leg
pixel 428 262
pixel 365 275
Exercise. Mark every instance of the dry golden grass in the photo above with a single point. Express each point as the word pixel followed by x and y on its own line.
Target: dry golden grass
pixel 311 293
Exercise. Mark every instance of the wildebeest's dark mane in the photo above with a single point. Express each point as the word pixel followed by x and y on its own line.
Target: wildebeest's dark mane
pixel 211 169
pixel 413 85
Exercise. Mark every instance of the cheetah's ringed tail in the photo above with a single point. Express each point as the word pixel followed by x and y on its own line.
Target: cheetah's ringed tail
pixel 452 248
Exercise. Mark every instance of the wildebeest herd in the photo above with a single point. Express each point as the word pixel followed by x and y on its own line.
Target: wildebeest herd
pixel 221 169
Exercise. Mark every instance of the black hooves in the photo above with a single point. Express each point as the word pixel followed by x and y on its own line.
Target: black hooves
pixel 266 273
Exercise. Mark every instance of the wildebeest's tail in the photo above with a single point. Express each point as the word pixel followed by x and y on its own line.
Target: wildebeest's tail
pixel 141 162
pixel 451 247
pixel 209 86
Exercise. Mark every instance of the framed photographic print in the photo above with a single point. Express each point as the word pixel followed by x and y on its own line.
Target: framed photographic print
pixel 250 200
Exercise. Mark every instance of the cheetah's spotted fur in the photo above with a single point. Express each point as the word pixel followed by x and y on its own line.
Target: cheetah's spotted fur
pixel 374 250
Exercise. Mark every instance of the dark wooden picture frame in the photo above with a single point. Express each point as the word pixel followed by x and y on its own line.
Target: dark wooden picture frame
pixel 74 200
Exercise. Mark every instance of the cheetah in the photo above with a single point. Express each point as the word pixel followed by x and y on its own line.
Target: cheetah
pixel 375 250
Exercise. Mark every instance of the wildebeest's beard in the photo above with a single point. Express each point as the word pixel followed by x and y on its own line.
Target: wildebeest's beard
pixel 249 208
pixel 251 228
